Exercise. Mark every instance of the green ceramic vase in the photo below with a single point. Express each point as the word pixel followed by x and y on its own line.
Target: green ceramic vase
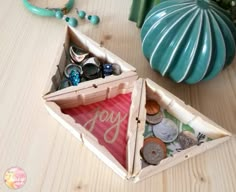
pixel 188 40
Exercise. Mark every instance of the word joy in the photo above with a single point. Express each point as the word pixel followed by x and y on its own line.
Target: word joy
pixel 105 116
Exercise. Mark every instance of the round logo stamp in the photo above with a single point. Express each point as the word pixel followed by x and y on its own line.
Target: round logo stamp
pixel 15 178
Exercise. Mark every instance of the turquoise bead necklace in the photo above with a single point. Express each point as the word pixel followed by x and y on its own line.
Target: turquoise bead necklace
pixel 59 13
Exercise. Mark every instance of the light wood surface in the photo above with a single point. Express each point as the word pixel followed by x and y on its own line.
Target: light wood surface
pixel 52 157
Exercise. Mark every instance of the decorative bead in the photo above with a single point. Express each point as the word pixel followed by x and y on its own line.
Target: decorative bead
pixel 94 19
pixel 74 77
pixel 107 69
pixel 59 14
pixel 73 22
pixel 81 14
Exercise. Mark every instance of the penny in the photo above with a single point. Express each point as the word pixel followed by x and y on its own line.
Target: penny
pixel 166 130
pixel 187 139
pixel 152 107
pixel 154 119
pixel 153 151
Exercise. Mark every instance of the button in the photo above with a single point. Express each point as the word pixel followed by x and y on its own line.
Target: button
pixel 154 119
pixel 152 107
pixel 166 130
pixel 153 151
pixel 187 139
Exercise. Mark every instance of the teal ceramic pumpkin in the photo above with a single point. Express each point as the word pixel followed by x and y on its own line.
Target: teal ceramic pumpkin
pixel 188 40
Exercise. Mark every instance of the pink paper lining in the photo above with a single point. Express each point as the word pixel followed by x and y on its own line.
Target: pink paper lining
pixel 107 121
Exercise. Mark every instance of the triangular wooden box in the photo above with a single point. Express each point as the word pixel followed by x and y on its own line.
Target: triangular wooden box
pixel 128 82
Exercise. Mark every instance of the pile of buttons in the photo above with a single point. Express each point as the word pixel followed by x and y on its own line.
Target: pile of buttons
pixel 165 135
pixel 82 66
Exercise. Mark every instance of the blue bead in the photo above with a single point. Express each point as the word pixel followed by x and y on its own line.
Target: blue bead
pixel 74 77
pixel 59 14
pixel 107 69
pixel 81 14
pixel 73 22
pixel 94 19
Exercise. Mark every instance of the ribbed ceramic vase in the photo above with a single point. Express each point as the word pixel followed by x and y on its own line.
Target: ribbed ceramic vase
pixel 188 40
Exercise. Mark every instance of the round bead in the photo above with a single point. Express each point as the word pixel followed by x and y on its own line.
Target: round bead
pixel 81 14
pixel 59 14
pixel 94 19
pixel 73 22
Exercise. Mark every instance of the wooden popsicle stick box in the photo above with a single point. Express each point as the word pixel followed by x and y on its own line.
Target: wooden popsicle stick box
pixel 109 116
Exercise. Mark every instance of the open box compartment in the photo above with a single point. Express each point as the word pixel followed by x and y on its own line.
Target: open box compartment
pixel 141 89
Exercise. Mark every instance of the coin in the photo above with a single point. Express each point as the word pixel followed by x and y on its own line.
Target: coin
pixel 153 150
pixel 187 139
pixel 154 119
pixel 166 130
pixel 152 107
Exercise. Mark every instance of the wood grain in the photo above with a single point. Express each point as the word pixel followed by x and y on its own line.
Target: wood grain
pixel 52 158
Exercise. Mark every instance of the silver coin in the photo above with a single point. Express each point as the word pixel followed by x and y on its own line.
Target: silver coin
pixel 153 153
pixel 187 139
pixel 166 130
pixel 154 119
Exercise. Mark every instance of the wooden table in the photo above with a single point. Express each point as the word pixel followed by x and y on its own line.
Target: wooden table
pixel 51 157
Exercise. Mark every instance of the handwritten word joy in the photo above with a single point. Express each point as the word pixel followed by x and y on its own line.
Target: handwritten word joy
pixel 105 116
